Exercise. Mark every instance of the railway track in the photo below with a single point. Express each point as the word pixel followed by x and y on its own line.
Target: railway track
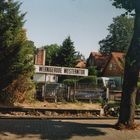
pixel 40 113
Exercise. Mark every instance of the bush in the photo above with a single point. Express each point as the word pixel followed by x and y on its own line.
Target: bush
pixel 138 84
pixel 92 71
pixel 18 91
pixel 70 82
pixel 88 80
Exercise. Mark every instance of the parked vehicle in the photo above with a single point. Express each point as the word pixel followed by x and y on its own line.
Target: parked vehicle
pixel 106 82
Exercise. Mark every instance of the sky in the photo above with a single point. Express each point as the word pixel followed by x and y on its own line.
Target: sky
pixel 52 21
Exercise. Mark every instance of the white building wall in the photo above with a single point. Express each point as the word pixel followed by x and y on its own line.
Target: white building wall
pixel 45 78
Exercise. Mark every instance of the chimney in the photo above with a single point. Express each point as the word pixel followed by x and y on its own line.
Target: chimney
pixel 40 56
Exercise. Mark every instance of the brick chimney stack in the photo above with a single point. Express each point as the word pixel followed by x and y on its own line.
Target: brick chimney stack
pixel 40 56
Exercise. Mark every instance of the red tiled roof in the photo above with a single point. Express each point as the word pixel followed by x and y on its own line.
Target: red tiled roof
pixel 119 58
pixel 100 59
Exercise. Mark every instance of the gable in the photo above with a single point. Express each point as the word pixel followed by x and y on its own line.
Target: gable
pixel 98 60
pixel 115 65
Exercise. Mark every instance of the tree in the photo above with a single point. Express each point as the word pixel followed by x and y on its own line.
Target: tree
pixel 92 71
pixel 119 37
pixel 66 55
pixel 132 66
pixel 16 52
pixel 51 54
pixel 79 56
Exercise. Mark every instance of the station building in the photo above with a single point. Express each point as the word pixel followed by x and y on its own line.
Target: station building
pixel 49 74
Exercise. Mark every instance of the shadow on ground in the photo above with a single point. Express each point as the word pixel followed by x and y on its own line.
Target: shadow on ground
pixel 49 129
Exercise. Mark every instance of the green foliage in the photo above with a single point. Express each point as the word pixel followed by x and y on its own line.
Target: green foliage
pixel 79 56
pixel 138 84
pixel 88 80
pixel 92 71
pixel 138 106
pixel 66 55
pixel 16 52
pixel 70 82
pixel 129 5
pixel 51 54
pixel 119 37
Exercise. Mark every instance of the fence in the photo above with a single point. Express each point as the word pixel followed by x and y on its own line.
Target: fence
pixel 51 92
pixel 83 92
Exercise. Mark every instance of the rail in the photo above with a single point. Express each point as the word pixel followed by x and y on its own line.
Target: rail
pixel 17 112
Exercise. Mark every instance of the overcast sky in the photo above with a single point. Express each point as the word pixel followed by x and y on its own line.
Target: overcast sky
pixel 86 21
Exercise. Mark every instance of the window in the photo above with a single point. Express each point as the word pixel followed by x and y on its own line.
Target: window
pixel 114 66
pixel 110 66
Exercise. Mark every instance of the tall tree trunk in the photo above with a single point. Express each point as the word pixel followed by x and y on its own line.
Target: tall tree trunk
pixel 131 74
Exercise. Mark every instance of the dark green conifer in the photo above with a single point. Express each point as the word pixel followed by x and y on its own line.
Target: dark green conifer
pixel 16 52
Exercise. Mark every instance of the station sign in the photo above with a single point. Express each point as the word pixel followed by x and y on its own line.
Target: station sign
pixel 60 70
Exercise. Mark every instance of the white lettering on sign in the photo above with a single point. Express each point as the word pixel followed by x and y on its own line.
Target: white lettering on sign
pixel 61 70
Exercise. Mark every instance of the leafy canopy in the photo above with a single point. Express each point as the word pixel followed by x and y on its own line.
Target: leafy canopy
pixel 51 54
pixel 119 37
pixel 67 54
pixel 129 5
